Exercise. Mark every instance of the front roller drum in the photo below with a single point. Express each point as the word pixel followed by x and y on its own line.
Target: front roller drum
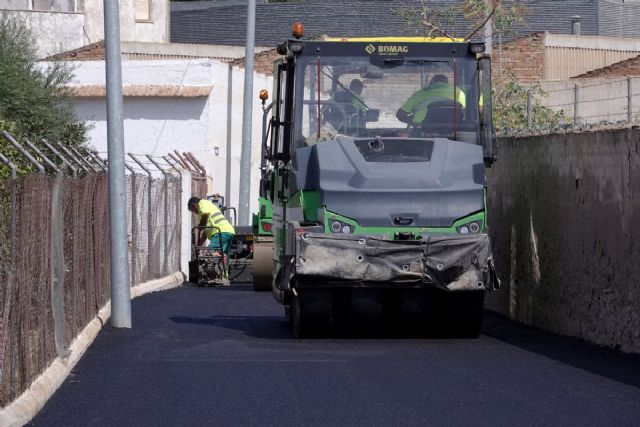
pixel 262 263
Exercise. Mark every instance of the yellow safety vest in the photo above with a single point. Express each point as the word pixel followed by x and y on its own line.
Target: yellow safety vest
pixel 215 218
pixel 419 101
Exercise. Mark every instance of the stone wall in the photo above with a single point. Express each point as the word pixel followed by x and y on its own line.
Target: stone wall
pixel 564 219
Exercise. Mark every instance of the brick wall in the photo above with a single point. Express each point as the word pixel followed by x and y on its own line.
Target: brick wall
pixel 262 62
pixel 524 57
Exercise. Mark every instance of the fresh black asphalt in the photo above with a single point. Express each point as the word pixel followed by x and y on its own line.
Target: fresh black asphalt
pixel 225 357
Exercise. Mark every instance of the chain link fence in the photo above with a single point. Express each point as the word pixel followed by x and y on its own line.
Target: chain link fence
pixel 578 105
pixel 54 252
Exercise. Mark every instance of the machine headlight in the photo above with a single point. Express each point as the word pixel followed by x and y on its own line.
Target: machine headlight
pixel 340 227
pixel 296 47
pixel 473 227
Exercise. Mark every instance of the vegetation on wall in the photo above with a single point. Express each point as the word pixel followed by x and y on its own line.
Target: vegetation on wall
pixel 511 108
pixel 34 102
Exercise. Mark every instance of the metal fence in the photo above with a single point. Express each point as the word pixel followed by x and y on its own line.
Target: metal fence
pixel 54 248
pixel 587 103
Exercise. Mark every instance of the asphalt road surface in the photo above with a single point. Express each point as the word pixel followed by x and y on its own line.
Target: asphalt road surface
pixel 225 357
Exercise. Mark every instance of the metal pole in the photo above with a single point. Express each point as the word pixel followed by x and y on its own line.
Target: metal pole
pixel 529 110
pixel 245 157
pixel 576 105
pixel 488 30
pixel 120 290
pixel 629 99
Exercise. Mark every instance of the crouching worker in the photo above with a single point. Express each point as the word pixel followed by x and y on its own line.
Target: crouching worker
pixel 222 232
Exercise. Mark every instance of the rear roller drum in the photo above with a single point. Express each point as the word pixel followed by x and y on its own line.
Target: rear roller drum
pixel 311 313
pixel 366 315
pixel 463 315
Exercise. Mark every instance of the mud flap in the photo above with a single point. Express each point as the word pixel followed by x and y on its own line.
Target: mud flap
pixel 452 262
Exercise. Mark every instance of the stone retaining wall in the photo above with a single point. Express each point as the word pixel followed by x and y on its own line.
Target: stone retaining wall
pixel 564 215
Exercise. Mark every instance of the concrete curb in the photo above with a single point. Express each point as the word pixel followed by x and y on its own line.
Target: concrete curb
pixel 26 406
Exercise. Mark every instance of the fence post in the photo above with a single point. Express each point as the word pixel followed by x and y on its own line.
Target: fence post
pixel 39 153
pixel 149 204
pixel 57 267
pixel 576 105
pixel 529 109
pixel 85 161
pixel 22 151
pixel 629 99
pixel 74 171
pixel 73 157
pixel 165 218
pixel 95 159
pixel 178 226
pixel 134 225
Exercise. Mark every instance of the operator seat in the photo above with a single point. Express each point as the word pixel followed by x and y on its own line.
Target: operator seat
pixel 440 117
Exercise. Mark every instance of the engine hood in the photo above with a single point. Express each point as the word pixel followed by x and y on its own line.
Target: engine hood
pixel 433 182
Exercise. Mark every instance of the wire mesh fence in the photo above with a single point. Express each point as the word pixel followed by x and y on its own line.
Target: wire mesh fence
pixel 581 104
pixel 42 307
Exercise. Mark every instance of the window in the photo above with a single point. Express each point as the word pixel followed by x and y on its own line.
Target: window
pixel 143 10
pixel 351 96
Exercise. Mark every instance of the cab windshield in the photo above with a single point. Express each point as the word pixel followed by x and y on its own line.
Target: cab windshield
pixel 421 98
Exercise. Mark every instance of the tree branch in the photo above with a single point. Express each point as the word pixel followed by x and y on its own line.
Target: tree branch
pixel 484 22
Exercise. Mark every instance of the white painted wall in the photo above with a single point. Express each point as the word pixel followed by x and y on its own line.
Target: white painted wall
pixel 156 30
pixel 55 32
pixel 158 125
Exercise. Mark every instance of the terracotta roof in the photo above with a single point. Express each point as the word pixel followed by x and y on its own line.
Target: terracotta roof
pixel 629 67
pixel 90 52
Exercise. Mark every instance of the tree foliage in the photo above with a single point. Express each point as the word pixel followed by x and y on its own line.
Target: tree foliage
pixel 511 112
pixel 34 102
pixel 463 19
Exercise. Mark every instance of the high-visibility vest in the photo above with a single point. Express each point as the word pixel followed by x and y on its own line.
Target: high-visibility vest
pixel 419 102
pixel 215 218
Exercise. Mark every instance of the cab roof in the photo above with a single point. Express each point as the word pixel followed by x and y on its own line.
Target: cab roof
pixel 393 39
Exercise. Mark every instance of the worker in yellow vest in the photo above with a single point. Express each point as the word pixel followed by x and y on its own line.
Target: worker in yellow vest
pixel 414 110
pixel 221 232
